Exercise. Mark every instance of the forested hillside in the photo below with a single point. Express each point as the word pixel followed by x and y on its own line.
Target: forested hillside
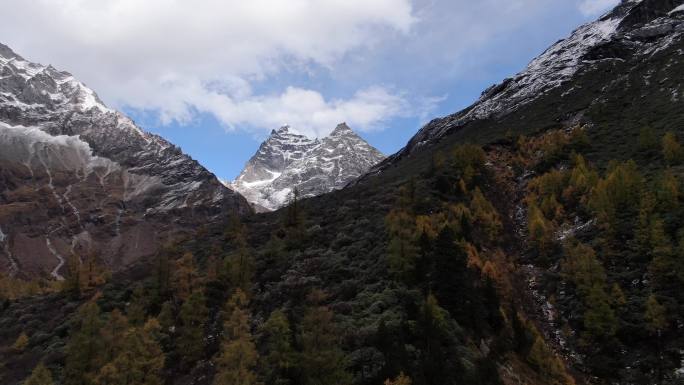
pixel 539 244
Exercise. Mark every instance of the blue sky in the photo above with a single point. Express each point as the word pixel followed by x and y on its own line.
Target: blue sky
pixel 214 77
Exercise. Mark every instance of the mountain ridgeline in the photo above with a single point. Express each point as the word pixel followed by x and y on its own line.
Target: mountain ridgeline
pixel 287 161
pixel 534 238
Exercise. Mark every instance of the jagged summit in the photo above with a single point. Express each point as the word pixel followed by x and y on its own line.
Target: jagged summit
pixel 342 129
pixel 288 160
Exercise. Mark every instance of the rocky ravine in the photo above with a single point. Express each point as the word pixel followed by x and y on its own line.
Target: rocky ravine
pixel 78 178
pixel 288 160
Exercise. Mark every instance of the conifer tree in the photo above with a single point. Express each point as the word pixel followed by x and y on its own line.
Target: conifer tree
pixel 238 266
pixel 84 349
pixel 547 363
pixel 655 315
pixel 642 234
pixel 599 317
pixel 239 269
pixel 137 309
pixel 185 276
pixel 20 343
pixel 140 360
pixel 163 274
pixel 280 356
pixel 238 358
pixel 615 199
pixel 40 376
pixel 294 221
pixel 166 317
pixel 648 141
pixel 72 283
pixel 193 314
pixel 401 379
pixel 663 256
pixel 668 192
pixel 401 226
pixel 485 216
pixel 618 296
pixel 112 335
pixel 90 274
pixel 540 230
pixel 582 179
pixel 433 322
pixel 213 267
pixel 672 150
pixel 451 278
pixel 322 360
pixel 584 270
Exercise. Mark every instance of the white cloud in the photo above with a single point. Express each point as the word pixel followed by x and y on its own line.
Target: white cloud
pixel 305 110
pixel 233 58
pixel 596 7
pixel 309 113
pixel 176 57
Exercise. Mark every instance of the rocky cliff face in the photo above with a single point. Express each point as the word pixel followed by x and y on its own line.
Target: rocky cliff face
pixel 78 178
pixel 287 160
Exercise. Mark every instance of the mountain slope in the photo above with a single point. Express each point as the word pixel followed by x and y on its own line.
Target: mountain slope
pixel 287 160
pixel 78 178
pixel 597 60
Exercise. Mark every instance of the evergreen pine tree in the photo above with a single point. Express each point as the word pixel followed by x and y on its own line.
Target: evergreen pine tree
pixel 20 343
pixel 401 226
pixel 401 379
pixel 672 150
pixel 655 315
pixel 72 283
pixel 84 349
pixel 140 360
pixel 239 269
pixel 193 314
pixel 615 199
pixel 485 216
pixel 648 141
pixel 599 317
pixel 322 360
pixel 166 317
pixel 40 376
pixel 238 358
pixel 185 276
pixel 451 278
pixel 663 254
pixel 280 355
pixel 539 229
pixel 112 335
pixel 137 308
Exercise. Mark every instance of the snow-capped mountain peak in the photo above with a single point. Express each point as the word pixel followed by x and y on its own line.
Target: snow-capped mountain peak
pixel 96 181
pixel 287 160
pixel 47 86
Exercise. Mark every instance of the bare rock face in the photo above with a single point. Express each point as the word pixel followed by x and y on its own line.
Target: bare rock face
pixel 78 178
pixel 287 160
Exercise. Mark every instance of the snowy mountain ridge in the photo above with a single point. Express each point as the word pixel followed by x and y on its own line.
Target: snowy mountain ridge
pixel 289 160
pixel 78 177
pixel 642 26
